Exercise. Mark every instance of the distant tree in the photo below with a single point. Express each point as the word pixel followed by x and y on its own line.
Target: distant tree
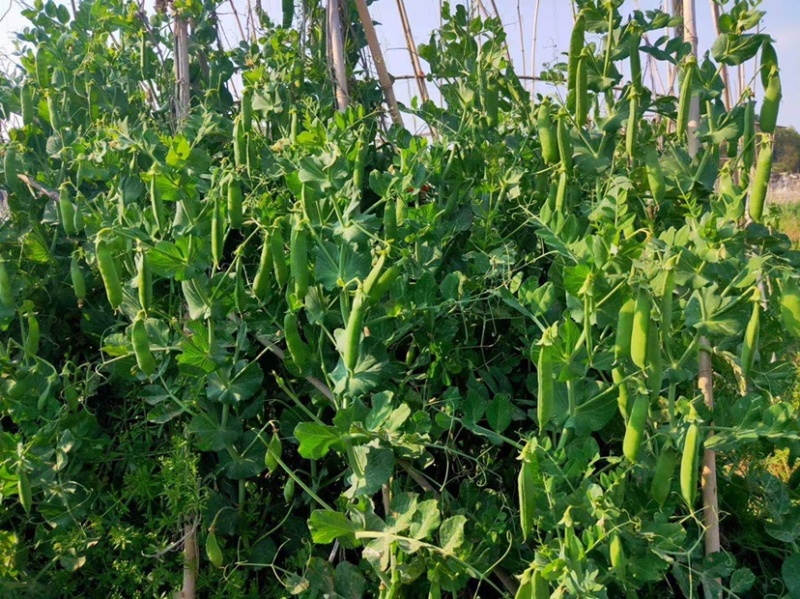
pixel 787 150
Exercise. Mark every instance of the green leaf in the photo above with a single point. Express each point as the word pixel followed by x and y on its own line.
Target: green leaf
pixel 426 520
pixel 175 260
pixel 451 533
pixel 326 526
pixel 196 292
pixel 349 582
pixel 315 439
pixel 378 466
pixel 790 571
pixel 211 435
pixel 498 412
pixel 245 382
pixel 742 580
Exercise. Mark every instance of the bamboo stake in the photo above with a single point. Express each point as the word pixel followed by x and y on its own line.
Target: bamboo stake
pixel 189 562
pixel 336 52
pixel 182 90
pixel 412 51
pixel 380 64
pixel 533 44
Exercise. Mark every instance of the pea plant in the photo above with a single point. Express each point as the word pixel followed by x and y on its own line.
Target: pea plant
pixel 280 349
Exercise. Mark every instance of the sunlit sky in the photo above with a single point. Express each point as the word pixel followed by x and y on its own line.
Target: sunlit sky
pixel 782 22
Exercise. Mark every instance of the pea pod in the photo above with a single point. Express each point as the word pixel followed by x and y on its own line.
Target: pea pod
pixel 689 465
pixel 288 490
pixel 561 193
pixel 141 347
pixel 217 232
pixel 298 349
pixel 261 280
pixel 540 588
pixel 655 176
pixel 11 169
pixel 529 482
pixel 760 185
pixel 582 90
pixel 298 255
pixel 52 111
pixel 239 294
pixel 790 307
pixel 640 327
pixel 667 301
pixel 247 110
pixel 384 283
pixel 78 280
pixel 239 143
pixel 278 255
pixel 769 61
pixel 663 474
pixel 26 103
pixel 235 199
pixel 144 281
pixel 109 273
pixel 288 13
pixel 655 367
pixel 213 550
pixel 576 45
pixel 66 211
pixel 374 274
pixel 622 343
pixel 24 491
pixel 491 99
pixel 636 61
pixel 156 201
pixel 274 451
pixel 632 129
pixel 750 345
pixel 353 330
pixel 389 221
pixel 623 398
pixel 547 134
pixel 360 163
pixel 6 292
pixel 617 556
pixel 749 137
pixel 33 336
pixel 685 101
pixel 771 103
pixel 565 149
pixel 634 431
pixel 546 386
pixel 144 57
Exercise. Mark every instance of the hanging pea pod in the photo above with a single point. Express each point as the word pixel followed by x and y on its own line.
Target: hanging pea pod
pixel 374 274
pixel 529 482
pixel 156 201
pixel 690 461
pixel 663 475
pixel 141 347
pixel 565 149
pixel 288 13
pixel 52 111
pixel 353 330
pixel 239 143
pixel 217 232
pixel 617 556
pixel 26 103
pixel 298 350
pixel 582 99
pixel 748 139
pixel 685 102
pixel 261 280
pixel 561 194
pixel 667 301
pixel 760 184
pixel 750 344
pixel 547 134
pixel 66 210
pixel 622 343
pixel 384 283
pixel 235 200
pixel 247 109
pixel 213 550
pixel 771 103
pixel 33 336
pixel 632 130
pixel 491 100
pixel 546 386
pixel 239 294
pixel 790 306
pixel 769 61
pixel 623 398
pixel 298 255
pixel 640 328
pixel 655 367
pixel 576 45
pixel 634 431
pixel 274 451
pixel 109 273
pixel 144 280
pixel 389 221
pixel 144 57
pixel 636 60
pixel 278 255
pixel 655 176
pixel 6 293
pixel 78 280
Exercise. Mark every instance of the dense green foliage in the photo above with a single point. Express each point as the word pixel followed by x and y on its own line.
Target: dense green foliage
pixel 366 363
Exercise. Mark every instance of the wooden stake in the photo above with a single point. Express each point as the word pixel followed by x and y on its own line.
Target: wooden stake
pixel 533 44
pixel 189 562
pixel 182 90
pixel 336 52
pixel 380 64
pixel 412 52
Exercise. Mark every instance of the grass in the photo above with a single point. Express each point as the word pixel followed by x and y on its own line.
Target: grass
pixel 788 219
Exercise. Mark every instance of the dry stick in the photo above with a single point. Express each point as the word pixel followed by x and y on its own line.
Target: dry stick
pixel 412 51
pixel 336 53
pixel 238 22
pixel 533 44
pixel 708 480
pixel 521 39
pixel 181 70
pixel 189 562
pixel 380 64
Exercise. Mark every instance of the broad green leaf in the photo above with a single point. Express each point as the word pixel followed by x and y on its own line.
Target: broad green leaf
pixel 426 520
pixel 498 413
pixel 349 581
pixel 451 533
pixel 235 386
pixel 210 434
pixel 378 466
pixel 315 439
pixel 326 526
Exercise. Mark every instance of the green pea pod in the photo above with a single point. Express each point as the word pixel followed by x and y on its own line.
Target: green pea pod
pixel 213 550
pixel 576 45
pixel 360 164
pixel 790 306
pixel 622 343
pixel 561 193
pixel 52 111
pixel 623 398
pixel 663 474
pixel 26 103
pixel 144 57
pixel 641 325
pixel 540 590
pixel 33 336
pixel 278 255
pixel 547 134
pixel 685 101
pixel 235 199
pixel 750 345
pixel 655 367
pixel 247 110
pixel 353 330
pixel 6 292
pixel 374 274
pixel 109 273
pixel 636 61
pixel 582 90
pixel 771 103
pixel 217 232
pixel 491 100
pixel 632 130
pixel 760 185
pixel 749 137
pixel 529 482
pixel 667 302
pixel 239 294
pixel 546 386
pixel 24 491
pixel 617 556
pixel 239 143
pixel 389 221
pixel 78 280
pixel 144 281
pixel 384 283
pixel 565 148
pixel 261 280
pixel 288 13
pixel 690 461
pixel 769 61
pixel 655 176
pixel 67 211
pixel 288 490
pixel 298 349
pixel 156 201
pixel 634 431
pixel 274 451
pixel 141 348
pixel 298 254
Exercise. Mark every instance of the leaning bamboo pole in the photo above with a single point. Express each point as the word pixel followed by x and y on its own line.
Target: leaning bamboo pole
pixel 182 89
pixel 412 51
pixel 380 64
pixel 336 53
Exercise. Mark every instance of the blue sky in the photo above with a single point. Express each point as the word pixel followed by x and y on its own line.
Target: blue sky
pixel 782 22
